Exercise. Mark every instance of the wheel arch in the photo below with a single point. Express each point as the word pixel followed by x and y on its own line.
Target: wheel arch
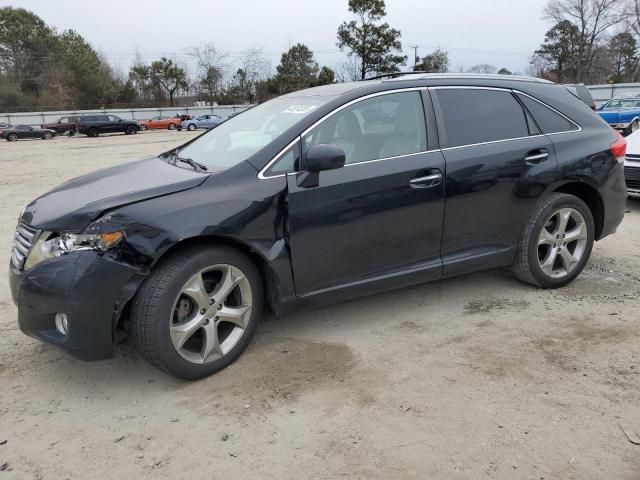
pixel 268 275
pixel 589 195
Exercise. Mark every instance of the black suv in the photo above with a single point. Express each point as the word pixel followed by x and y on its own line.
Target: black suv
pixel 314 197
pixel 94 125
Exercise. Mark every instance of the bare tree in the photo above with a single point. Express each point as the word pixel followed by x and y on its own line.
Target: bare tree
pixel 212 67
pixel 348 71
pixel 253 68
pixel 593 18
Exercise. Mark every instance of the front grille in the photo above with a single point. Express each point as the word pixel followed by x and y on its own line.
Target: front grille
pixel 22 243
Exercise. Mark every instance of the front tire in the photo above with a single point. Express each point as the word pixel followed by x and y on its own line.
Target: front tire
pixel 556 243
pixel 172 126
pixel 198 311
pixel 131 129
pixel 635 125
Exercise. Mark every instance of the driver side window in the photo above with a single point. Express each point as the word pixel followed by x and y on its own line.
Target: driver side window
pixel 384 126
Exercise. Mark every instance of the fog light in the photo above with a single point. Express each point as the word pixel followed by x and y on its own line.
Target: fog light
pixel 62 324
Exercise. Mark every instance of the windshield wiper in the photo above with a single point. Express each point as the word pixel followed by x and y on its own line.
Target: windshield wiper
pixel 195 165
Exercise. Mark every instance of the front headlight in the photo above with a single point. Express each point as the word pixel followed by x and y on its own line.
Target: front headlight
pixel 50 244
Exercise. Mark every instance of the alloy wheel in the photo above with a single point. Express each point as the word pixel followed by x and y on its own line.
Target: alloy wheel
pixel 211 313
pixel 12 137
pixel 562 242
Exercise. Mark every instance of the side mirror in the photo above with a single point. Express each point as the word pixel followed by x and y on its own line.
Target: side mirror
pixel 324 157
pixel 318 158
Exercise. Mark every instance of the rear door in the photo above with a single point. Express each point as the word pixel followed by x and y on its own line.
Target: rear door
pixel 380 216
pixel 498 163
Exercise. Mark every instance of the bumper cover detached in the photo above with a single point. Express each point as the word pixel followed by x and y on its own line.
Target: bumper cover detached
pixel 89 289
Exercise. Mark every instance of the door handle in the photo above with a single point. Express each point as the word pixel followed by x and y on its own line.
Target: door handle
pixel 427 181
pixel 536 157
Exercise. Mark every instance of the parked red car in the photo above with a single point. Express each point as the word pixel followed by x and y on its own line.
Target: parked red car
pixel 62 125
pixel 160 122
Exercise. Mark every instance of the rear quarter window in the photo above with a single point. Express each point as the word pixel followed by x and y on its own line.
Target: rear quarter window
pixel 548 120
pixel 473 116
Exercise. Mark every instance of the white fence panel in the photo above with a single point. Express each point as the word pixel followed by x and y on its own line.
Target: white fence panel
pixel 38 118
pixel 601 93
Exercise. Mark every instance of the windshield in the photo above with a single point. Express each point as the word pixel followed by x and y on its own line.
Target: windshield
pixel 621 104
pixel 238 138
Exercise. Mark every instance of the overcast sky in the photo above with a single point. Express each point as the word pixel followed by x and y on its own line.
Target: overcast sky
pixel 499 32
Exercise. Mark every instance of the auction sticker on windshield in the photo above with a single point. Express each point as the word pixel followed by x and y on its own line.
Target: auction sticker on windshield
pixel 299 108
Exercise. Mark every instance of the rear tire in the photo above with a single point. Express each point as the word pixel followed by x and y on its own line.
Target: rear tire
pixel 93 132
pixel 12 137
pixel 168 305
pixel 556 243
pixel 47 136
pixel 191 127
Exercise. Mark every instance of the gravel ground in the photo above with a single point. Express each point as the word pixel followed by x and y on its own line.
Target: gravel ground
pixel 473 377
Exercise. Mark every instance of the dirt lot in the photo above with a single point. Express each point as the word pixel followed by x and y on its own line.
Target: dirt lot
pixel 474 377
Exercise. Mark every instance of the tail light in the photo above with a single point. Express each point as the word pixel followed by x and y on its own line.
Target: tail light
pixel 619 148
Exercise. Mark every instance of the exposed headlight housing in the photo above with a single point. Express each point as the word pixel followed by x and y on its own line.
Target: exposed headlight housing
pixel 50 244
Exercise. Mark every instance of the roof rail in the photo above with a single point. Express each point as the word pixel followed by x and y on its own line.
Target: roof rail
pixel 477 76
pixel 397 74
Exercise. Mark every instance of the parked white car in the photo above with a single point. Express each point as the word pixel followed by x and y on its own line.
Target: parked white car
pixel 632 164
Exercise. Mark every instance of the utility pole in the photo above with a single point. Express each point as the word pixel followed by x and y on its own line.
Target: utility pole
pixel 415 54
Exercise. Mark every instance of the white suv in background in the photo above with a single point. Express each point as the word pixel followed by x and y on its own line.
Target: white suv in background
pixel 632 165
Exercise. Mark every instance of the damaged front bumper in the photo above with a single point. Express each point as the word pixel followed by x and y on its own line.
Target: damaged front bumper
pixel 90 289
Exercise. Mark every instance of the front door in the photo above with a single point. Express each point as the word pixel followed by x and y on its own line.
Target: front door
pixel 381 214
pixel 114 124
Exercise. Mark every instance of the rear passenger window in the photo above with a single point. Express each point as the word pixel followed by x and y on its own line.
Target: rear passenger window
pixel 548 120
pixel 476 116
pixel 384 126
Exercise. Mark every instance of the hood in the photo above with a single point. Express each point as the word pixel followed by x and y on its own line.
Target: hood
pixel 633 143
pixel 74 204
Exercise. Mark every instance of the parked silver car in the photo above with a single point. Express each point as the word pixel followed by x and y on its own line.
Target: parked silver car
pixel 203 121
